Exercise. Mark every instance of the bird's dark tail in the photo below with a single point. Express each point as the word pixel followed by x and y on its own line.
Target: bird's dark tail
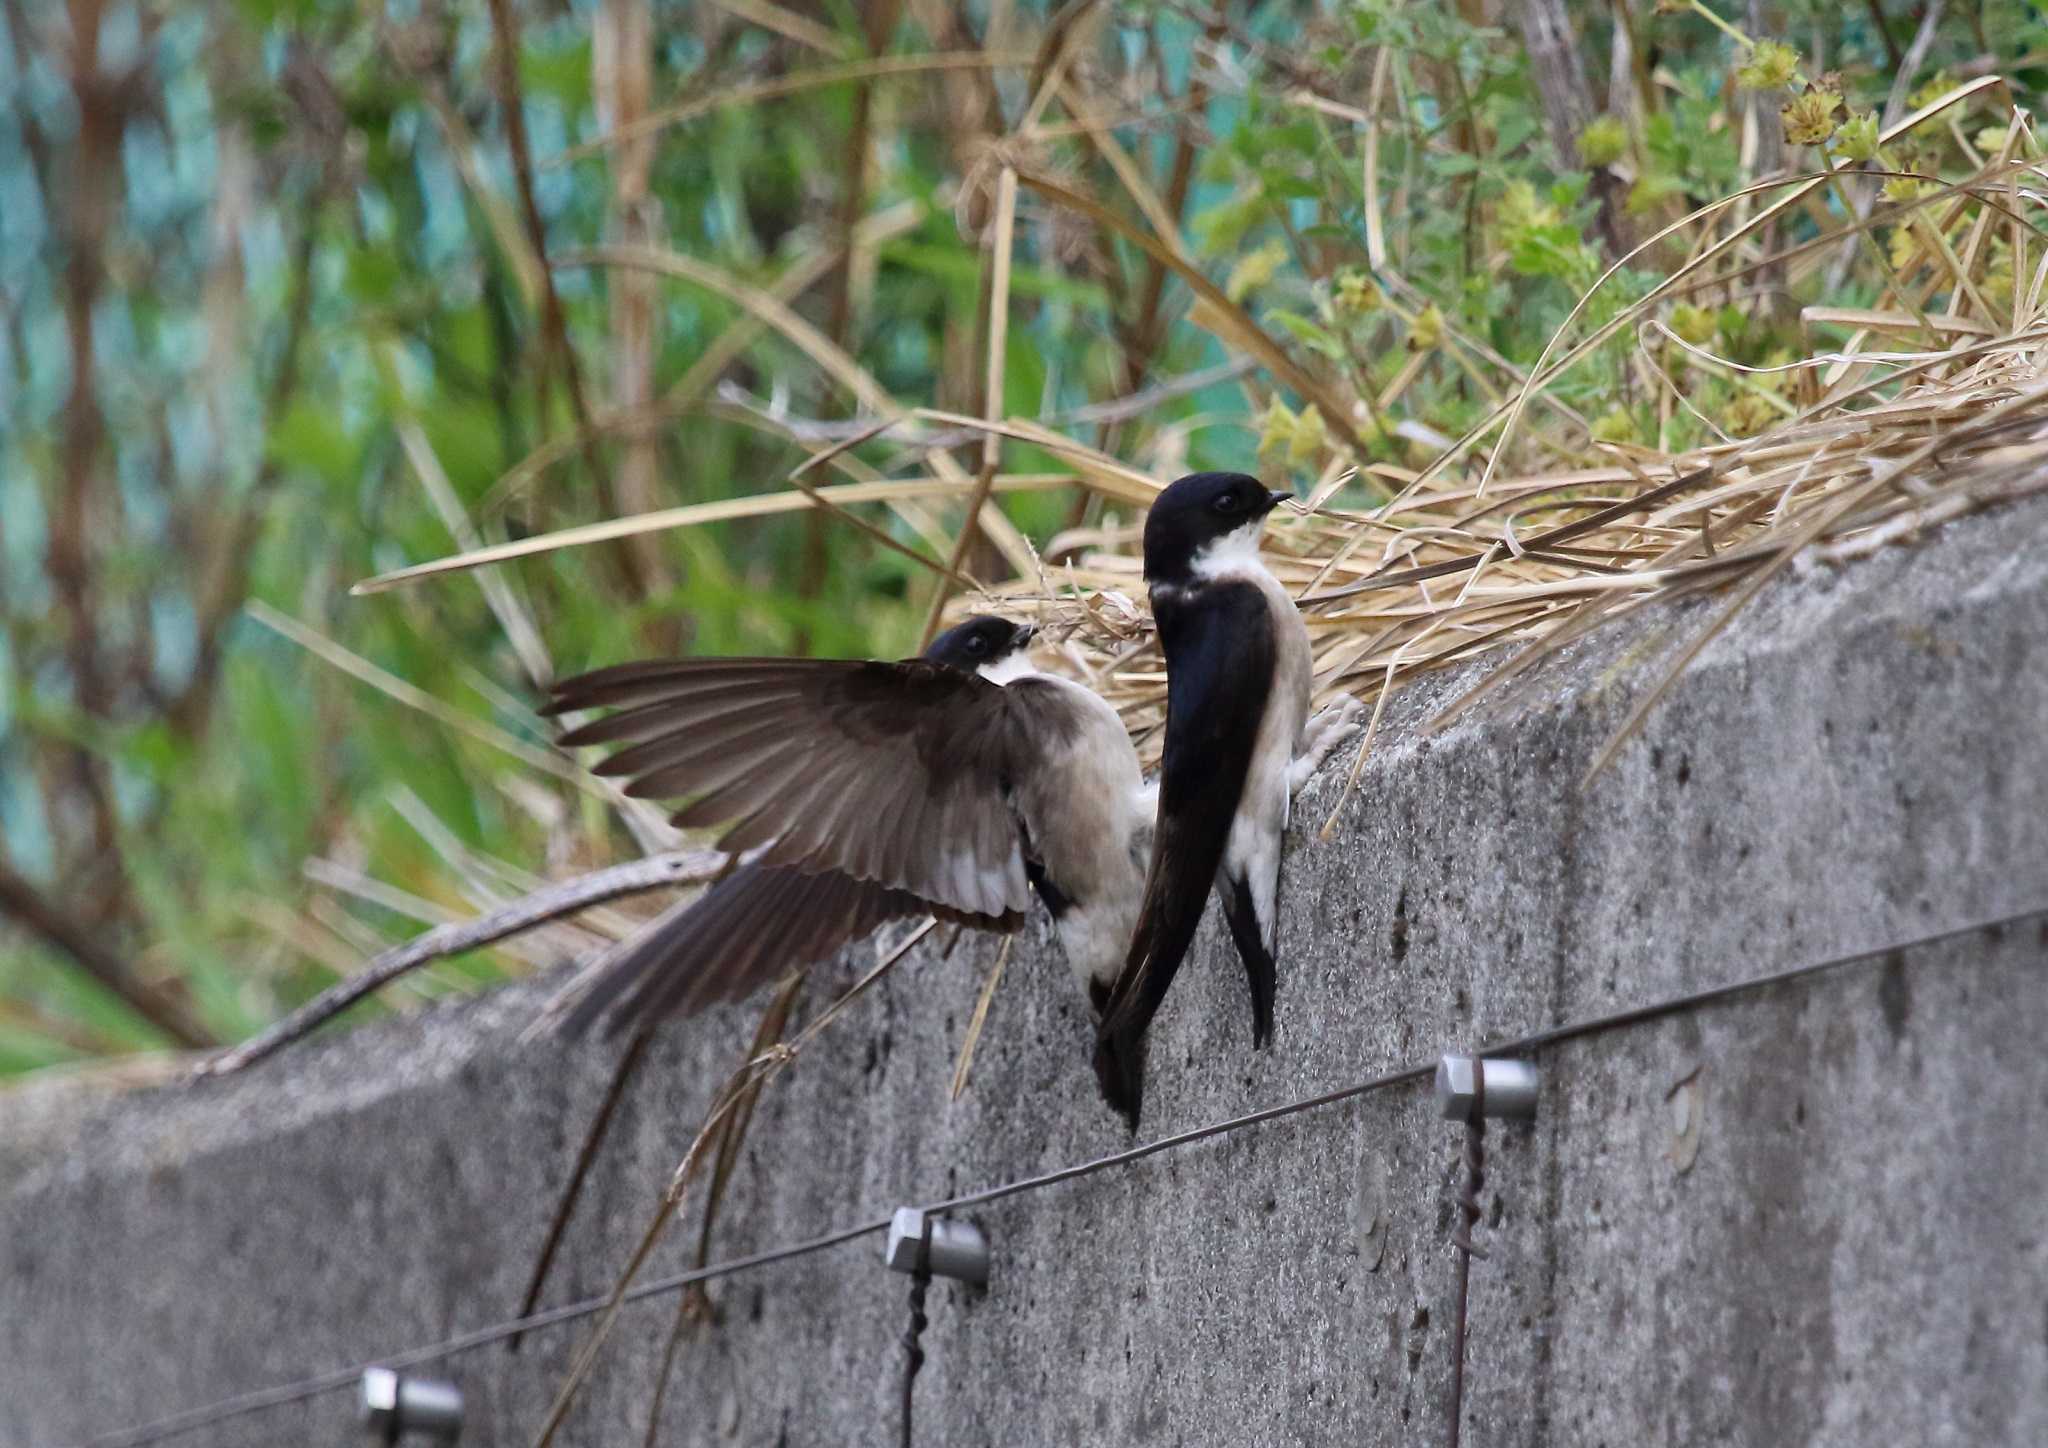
pixel 1166 926
pixel 758 923
pixel 1251 947
pixel 1120 1039
pixel 621 974
pixel 1120 1071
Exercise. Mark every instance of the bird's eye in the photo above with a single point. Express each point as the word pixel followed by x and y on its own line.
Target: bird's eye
pixel 1226 502
pixel 977 645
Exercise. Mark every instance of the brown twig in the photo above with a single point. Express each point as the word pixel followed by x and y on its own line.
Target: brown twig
pixel 637 877
pixel 623 40
pixel 224 584
pixel 880 19
pixel 755 1074
pixel 1244 331
pixel 84 204
pixel 586 1157
pixel 1893 54
pixel 554 323
pixel 26 906
pixel 1150 329
pixel 1002 245
pixel 732 1134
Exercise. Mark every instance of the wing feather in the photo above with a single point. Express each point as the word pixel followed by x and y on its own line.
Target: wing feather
pixel 757 924
pixel 802 758
pixel 645 721
pixel 631 685
pixel 679 748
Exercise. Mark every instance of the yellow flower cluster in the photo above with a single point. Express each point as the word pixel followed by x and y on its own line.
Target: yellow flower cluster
pixel 1747 414
pixel 1603 142
pixel 1857 139
pixel 1616 426
pixel 1254 270
pixel 1300 435
pixel 1357 293
pixel 1427 331
pixel 1772 64
pixel 1694 324
pixel 1810 118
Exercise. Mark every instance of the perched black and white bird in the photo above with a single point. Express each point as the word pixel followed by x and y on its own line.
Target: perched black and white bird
pixel 1237 697
pixel 855 793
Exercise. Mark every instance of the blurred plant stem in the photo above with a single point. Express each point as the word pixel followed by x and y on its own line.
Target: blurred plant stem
pixel 295 292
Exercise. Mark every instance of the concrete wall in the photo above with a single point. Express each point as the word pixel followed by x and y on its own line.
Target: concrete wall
pixel 1858 1253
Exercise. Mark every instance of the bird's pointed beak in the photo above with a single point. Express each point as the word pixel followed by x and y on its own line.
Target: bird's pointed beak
pixel 1276 498
pixel 1026 633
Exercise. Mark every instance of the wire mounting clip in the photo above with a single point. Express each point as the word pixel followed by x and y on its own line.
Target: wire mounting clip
pixel 394 1406
pixel 1471 1087
pixel 948 1246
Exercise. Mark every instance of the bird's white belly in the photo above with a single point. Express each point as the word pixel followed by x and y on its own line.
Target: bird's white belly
pixel 1102 841
pixel 1253 849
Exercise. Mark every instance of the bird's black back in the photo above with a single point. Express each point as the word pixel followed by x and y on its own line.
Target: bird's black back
pixel 1218 642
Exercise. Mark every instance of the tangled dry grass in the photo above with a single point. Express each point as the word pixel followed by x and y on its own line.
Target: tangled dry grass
pixel 1917 417
pixel 1875 444
pixel 1456 565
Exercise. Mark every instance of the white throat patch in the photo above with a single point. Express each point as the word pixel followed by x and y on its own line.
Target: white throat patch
pixel 1234 555
pixel 1008 670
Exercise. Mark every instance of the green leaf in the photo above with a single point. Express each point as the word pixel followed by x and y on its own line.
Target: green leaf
pixel 1311 335
pixel 1222 227
pixel 310 438
pixel 1555 250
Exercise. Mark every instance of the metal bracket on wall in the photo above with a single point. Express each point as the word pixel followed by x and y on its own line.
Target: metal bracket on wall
pixel 942 1246
pixel 1471 1087
pixel 924 1245
pixel 394 1407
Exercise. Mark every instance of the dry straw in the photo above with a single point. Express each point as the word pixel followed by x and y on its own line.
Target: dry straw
pixel 1901 428
pixel 1917 417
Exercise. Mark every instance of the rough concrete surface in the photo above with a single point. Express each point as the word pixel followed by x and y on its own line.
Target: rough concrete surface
pixel 1813 1215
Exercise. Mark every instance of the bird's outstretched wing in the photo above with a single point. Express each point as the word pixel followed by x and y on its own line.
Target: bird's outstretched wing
pixel 758 923
pixel 893 773
pixel 1219 668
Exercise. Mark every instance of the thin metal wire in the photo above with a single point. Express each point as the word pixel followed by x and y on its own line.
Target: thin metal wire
pixel 203 1417
pixel 1534 1041
pixel 331 1382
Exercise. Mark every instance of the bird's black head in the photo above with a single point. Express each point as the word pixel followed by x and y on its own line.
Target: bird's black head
pixel 1197 512
pixel 981 641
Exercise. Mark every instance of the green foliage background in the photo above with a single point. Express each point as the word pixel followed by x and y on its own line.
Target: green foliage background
pixel 244 246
